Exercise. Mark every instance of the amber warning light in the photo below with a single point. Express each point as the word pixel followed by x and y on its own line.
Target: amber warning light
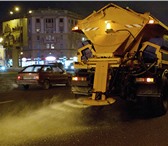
pixel 75 28
pixel 151 21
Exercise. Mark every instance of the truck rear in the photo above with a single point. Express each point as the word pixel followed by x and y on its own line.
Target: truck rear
pixel 126 56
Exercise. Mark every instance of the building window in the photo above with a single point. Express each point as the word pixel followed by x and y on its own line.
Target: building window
pixel 61 29
pixel 37 20
pixel 71 21
pixel 37 29
pixel 61 37
pixel 29 22
pixel 49 22
pixel 61 20
pixel 48 46
pixel 38 38
pixel 52 46
pixel 53 38
pixel 49 38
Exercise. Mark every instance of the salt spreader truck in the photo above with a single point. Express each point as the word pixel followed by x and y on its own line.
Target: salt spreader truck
pixel 126 56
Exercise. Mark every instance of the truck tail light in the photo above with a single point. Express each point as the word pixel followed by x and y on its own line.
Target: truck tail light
pixel 79 78
pixel 144 80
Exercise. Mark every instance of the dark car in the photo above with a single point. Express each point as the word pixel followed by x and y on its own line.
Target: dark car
pixel 43 75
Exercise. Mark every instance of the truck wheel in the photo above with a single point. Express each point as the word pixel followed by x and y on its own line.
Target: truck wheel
pixel 160 104
pixel 26 87
pixel 163 102
pixel 46 84
pixel 155 106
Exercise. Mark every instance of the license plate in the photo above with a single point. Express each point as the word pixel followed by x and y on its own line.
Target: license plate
pixel 27 77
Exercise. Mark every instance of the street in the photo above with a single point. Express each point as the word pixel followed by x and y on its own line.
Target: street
pixel 54 117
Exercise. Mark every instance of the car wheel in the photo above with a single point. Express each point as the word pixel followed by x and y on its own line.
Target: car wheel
pixel 46 84
pixel 26 87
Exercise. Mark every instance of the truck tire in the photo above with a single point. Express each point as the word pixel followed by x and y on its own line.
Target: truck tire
pixel 159 105
pixel 162 102
pixel 156 105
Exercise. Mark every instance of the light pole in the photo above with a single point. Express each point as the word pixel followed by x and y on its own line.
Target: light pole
pixel 16 9
pixel 21 57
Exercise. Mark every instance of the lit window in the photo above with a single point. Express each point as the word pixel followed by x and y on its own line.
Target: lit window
pixel 52 37
pixel 37 29
pixel 52 46
pixel 48 46
pixel 49 37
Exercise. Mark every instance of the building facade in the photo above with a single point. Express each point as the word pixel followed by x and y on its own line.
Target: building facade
pixel 15 34
pixel 42 34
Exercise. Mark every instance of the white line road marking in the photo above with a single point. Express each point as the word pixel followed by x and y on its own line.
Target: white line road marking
pixel 3 102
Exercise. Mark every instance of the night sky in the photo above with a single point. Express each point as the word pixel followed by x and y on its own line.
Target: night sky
pixel 159 9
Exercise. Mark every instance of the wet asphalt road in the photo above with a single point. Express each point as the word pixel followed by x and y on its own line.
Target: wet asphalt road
pixel 54 117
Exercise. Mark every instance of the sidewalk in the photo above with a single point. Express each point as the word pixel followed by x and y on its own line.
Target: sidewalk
pixel 14 69
pixel 11 70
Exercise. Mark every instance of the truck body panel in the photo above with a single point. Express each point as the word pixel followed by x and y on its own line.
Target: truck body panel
pixel 127 51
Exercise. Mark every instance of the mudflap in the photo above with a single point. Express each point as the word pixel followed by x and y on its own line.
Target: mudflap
pixel 153 100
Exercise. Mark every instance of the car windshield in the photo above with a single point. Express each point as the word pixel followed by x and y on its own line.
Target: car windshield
pixel 57 69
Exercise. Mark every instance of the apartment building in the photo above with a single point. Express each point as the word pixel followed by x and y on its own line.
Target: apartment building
pixel 42 34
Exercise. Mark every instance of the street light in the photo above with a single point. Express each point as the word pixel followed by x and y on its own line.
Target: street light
pixel 11 12
pixel 17 9
pixel 20 57
pixel 30 11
